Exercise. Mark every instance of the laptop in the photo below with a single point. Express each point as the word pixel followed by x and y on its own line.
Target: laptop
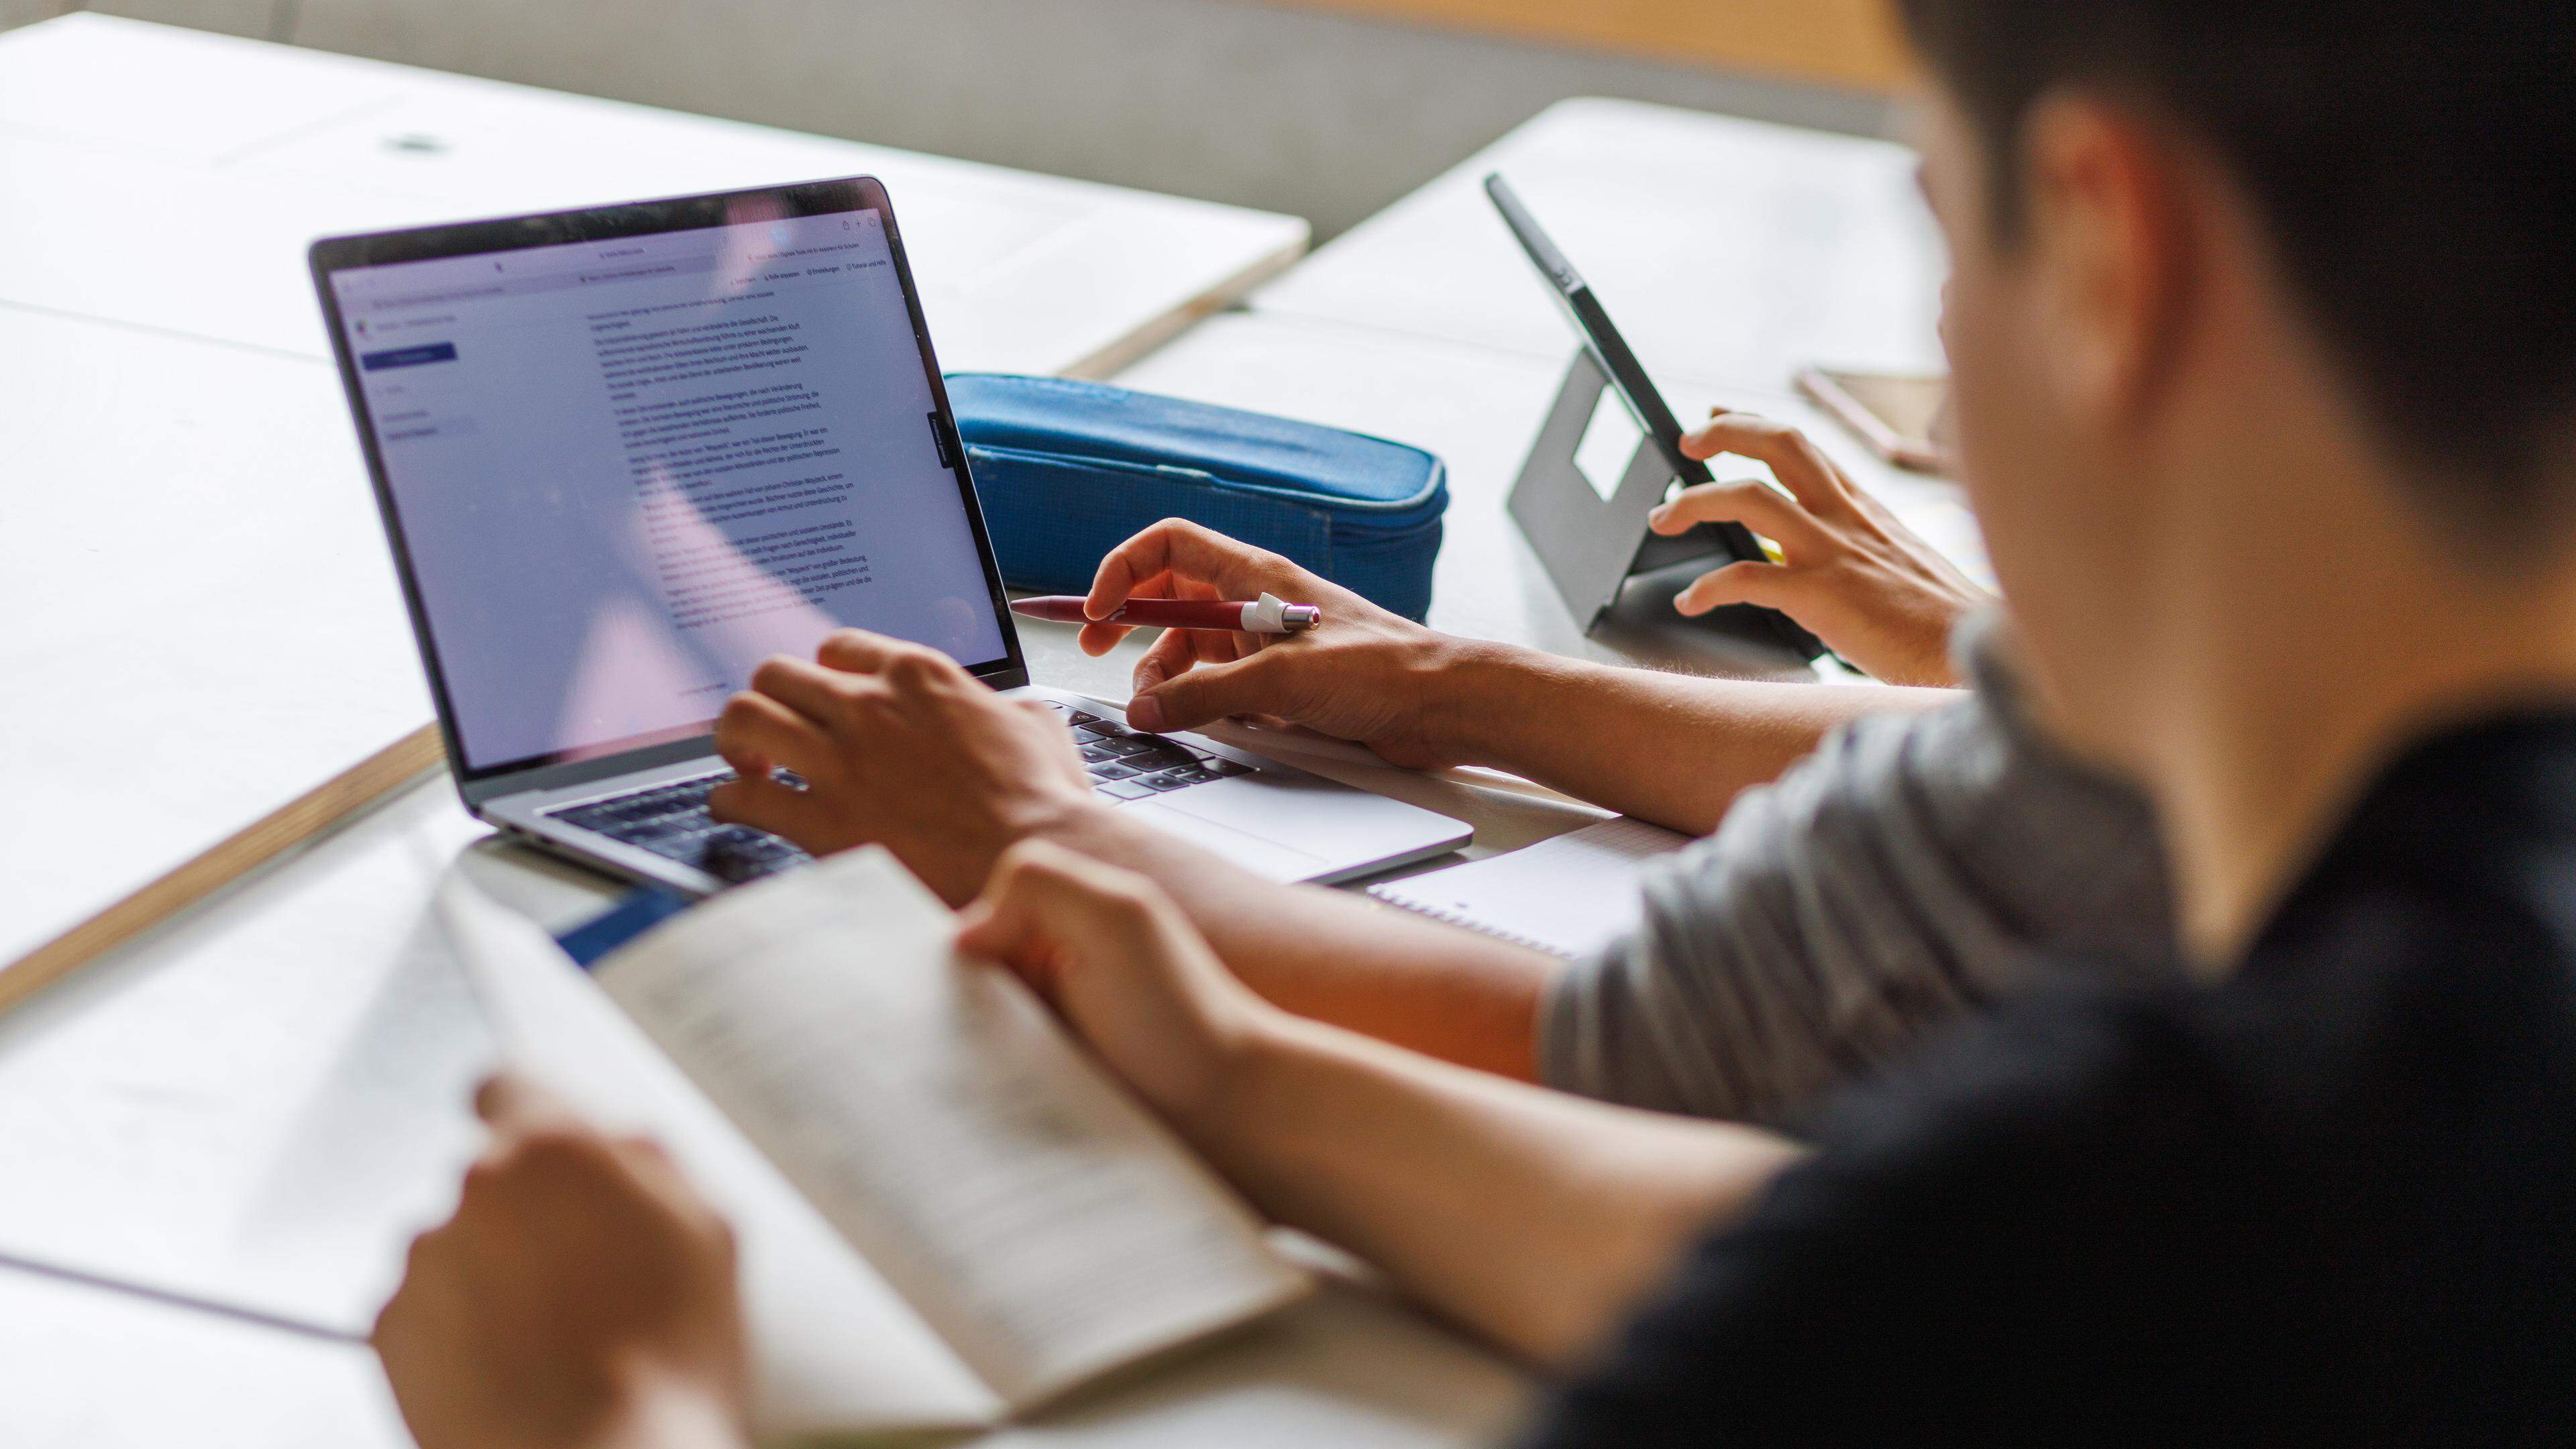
pixel 623 454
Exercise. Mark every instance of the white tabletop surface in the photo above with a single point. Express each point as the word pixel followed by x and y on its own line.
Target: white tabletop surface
pixel 172 179
pixel 208 619
pixel 1727 250
pixel 209 624
pixel 258 1103
pixel 1348 1369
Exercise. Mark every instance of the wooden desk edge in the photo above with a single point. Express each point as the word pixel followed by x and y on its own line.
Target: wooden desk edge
pixel 263 840
pixel 1850 44
pixel 1138 342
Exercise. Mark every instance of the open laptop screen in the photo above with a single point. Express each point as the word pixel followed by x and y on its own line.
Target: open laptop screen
pixel 625 470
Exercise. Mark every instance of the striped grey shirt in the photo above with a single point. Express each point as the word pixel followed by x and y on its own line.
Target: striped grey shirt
pixel 1914 868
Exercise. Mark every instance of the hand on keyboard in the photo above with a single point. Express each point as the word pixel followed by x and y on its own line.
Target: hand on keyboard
pixel 672 821
pixel 1125 765
pixel 901 747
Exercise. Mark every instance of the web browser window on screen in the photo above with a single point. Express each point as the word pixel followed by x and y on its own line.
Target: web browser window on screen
pixel 628 471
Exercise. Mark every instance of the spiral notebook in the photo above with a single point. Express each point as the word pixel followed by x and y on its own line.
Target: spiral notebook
pixel 1569 896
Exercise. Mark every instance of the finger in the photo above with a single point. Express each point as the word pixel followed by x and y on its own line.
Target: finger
pixel 650 1166
pixel 857 651
pixel 1792 456
pixel 1767 584
pixel 764 803
pixel 809 689
pixel 756 732
pixel 995 924
pixel 1041 893
pixel 1001 923
pixel 1755 505
pixel 978 931
pixel 509 1102
pixel 1098 638
pixel 1180 546
pixel 1181 650
pixel 1210 646
pixel 1176 653
pixel 393 1331
pixel 430 1299
pixel 1214 692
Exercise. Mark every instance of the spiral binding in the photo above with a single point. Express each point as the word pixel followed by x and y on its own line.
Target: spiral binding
pixel 1420 908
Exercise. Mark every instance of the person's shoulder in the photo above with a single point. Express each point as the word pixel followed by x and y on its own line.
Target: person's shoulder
pixel 2082 1085
pixel 2097 1209
pixel 2319 1192
pixel 1961 1226
pixel 2350 1152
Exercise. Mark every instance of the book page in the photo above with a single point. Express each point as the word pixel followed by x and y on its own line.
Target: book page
pixel 935 1112
pixel 837 1350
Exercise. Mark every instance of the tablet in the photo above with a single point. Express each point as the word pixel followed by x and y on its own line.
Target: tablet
pixel 1732 542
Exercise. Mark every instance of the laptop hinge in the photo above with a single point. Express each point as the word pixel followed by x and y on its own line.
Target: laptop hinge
pixel 582 772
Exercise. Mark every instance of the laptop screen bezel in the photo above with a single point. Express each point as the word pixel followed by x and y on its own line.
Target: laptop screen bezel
pixel 611 223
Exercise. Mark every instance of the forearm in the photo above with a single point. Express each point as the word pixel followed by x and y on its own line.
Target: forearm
pixel 1665 748
pixel 1531 1216
pixel 1456 995
pixel 1669 748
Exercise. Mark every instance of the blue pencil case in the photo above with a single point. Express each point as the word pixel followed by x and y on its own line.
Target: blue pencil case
pixel 1069 470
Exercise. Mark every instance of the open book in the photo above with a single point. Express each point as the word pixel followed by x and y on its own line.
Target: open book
pixel 946 1212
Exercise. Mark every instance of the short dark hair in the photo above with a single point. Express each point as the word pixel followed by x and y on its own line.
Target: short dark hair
pixel 2414 164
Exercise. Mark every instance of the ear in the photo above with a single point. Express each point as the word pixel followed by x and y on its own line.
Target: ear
pixel 2110 246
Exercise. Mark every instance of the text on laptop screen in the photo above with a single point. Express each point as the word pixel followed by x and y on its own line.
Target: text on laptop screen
pixel 628 471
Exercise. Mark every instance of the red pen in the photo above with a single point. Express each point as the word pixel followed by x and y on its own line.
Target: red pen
pixel 1265 615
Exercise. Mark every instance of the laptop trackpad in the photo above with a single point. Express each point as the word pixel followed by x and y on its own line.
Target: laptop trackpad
pixel 1260 856
pixel 1309 813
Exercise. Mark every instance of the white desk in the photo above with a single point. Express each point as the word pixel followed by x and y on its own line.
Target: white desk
pixel 253 1103
pixel 171 179
pixel 185 527
pixel 1727 250
pixel 210 623
pixel 276 1169
pixel 256 1104
pixel 91 1370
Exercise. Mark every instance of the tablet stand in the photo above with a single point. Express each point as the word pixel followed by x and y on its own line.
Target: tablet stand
pixel 1592 546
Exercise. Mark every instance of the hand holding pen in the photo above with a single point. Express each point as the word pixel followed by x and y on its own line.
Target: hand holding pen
pixel 1268 614
pixel 1351 669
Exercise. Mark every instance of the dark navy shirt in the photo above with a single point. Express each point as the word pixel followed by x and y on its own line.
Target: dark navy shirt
pixel 2331 1199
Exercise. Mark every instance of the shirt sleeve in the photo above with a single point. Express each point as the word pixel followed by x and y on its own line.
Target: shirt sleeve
pixel 1913 868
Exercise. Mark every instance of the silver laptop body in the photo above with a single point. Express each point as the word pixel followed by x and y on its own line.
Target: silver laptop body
pixel 623 453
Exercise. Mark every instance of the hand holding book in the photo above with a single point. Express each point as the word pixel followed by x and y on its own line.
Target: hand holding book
pixel 1125 969
pixel 947 1214
pixel 591 1269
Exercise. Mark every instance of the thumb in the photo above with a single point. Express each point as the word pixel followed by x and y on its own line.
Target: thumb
pixel 1737 583
pixel 1043 898
pixel 510 1102
pixel 1212 692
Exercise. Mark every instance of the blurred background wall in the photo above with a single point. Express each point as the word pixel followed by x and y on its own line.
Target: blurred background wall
pixel 1327 109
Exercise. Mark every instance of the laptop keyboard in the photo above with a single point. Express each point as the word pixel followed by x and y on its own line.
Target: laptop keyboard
pixel 1125 765
pixel 672 820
